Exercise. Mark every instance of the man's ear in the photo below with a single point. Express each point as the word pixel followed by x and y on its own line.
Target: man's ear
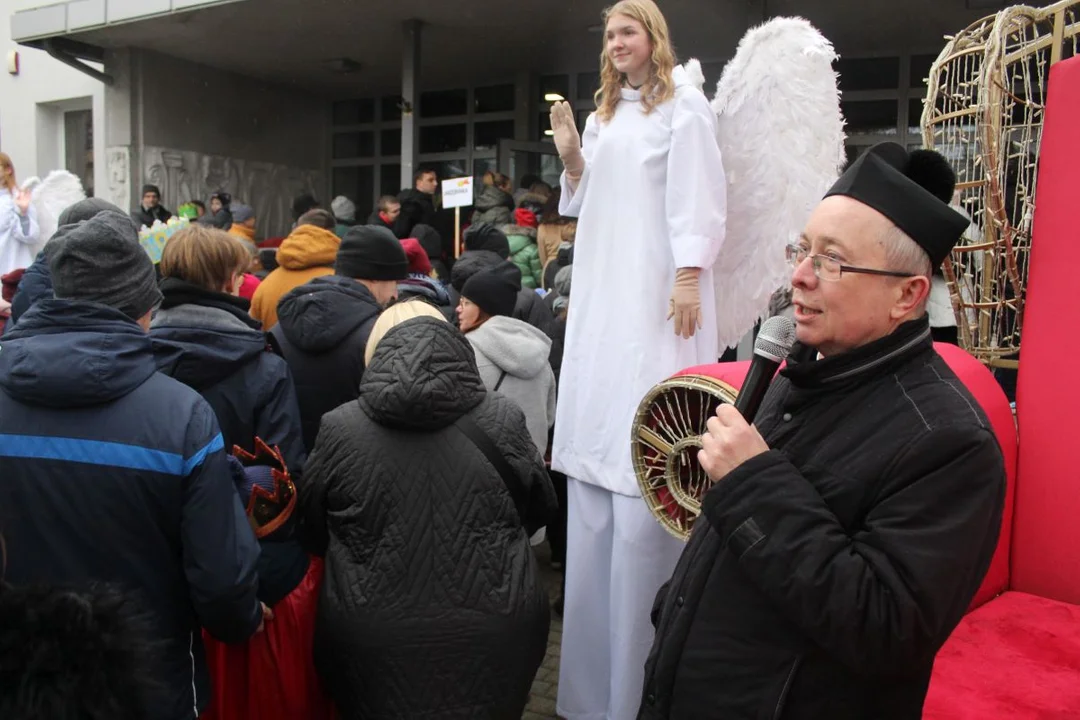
pixel 913 293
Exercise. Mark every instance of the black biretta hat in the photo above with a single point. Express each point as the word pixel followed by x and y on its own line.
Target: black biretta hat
pixel 913 190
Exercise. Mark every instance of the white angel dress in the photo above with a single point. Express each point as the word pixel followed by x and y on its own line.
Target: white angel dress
pixel 651 200
pixel 18 234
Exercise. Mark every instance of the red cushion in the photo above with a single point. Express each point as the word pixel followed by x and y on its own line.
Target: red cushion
pixel 1017 658
pixel 1046 534
pixel 980 382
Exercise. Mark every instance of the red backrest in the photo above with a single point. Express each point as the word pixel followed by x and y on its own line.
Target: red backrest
pixel 982 385
pixel 1046 530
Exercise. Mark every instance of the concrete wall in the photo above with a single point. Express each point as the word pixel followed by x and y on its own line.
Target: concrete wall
pixel 32 105
pixel 191 130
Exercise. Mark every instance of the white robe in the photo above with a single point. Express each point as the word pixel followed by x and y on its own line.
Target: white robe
pixel 652 199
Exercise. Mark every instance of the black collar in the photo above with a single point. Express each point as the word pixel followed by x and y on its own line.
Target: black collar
pixel 176 292
pixel 872 360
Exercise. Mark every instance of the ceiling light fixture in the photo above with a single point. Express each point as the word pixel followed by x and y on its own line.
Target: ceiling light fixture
pixel 595 28
pixel 549 133
pixel 553 97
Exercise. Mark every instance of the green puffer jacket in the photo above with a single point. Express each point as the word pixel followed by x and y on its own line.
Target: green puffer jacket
pixel 525 254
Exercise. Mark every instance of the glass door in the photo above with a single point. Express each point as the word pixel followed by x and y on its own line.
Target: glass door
pixel 518 158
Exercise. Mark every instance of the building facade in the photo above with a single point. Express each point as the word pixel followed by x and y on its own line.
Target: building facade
pixel 270 98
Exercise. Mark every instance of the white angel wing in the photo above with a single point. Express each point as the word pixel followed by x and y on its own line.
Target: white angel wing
pixel 59 190
pixel 781 137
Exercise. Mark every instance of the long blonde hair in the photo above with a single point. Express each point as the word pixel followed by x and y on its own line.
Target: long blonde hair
pixel 5 164
pixel 660 87
pixel 394 316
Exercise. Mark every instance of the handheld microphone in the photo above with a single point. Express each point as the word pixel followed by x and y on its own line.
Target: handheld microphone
pixel 771 347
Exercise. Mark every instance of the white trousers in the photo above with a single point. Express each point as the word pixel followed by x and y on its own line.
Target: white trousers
pixel 617 557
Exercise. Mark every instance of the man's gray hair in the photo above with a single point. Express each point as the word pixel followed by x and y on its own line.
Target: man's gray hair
pixel 902 254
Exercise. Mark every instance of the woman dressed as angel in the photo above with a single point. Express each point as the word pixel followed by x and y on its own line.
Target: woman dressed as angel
pixel 18 221
pixel 647 185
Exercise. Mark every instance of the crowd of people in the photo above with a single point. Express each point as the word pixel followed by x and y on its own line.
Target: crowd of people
pixel 314 465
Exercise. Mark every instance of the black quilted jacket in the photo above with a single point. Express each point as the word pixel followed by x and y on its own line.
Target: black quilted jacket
pixel 432 604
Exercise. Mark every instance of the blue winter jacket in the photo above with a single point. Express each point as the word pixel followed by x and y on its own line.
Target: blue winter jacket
pixel 115 473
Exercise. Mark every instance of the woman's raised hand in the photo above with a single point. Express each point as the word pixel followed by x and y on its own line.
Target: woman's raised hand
pixel 567 138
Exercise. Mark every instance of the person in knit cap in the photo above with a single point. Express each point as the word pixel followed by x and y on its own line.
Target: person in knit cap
pixel 529 307
pixel 430 239
pixel 150 210
pixel 272 676
pixel 512 355
pixel 484 236
pixel 118 472
pixel 421 282
pixel 324 324
pixel 36 282
pixel 344 211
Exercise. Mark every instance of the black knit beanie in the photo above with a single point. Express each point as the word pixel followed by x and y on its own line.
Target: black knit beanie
pixel 484 236
pixel 371 252
pixel 100 260
pixel 494 290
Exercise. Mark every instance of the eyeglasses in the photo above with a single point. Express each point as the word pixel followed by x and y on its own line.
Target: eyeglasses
pixel 829 268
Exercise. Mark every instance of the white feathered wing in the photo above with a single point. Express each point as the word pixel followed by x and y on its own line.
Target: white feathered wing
pixel 59 190
pixel 781 137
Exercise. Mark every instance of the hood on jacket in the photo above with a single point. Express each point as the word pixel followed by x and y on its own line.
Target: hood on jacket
pixel 425 287
pixel 519 237
pixel 308 246
pixel 492 197
pixel 429 239
pixel 316 317
pixel 67 354
pixel 470 263
pixel 515 346
pixel 201 346
pixel 423 376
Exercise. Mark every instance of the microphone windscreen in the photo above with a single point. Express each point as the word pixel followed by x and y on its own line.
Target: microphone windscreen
pixel 775 338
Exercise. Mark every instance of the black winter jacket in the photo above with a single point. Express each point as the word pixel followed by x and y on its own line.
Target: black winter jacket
pixel 207 341
pixel 432 604
pixel 141 216
pixel 416 208
pixel 322 330
pixel 115 473
pixel 825 574
pixel 36 283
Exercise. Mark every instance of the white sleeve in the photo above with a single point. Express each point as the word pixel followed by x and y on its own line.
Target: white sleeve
pixel 571 198
pixel 696 196
pixel 21 228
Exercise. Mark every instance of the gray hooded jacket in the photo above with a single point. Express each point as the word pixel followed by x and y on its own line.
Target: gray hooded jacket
pixel 506 345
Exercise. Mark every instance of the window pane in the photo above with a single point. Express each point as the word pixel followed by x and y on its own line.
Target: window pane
pixel 357 184
pixel 582 118
pixel 920 69
pixel 482 165
pixel 390 183
pixel 354 112
pixel 554 84
pixel 441 103
pixel 914 116
pixel 389 110
pixel 544 126
pixel 353 145
pixel 488 134
pixel 870 116
pixel 442 138
pixel 587 85
pixel 391 141
pixel 869 73
pixel 497 98
pixel 449 169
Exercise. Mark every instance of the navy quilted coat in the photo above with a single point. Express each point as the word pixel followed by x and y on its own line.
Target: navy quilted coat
pixel 432 603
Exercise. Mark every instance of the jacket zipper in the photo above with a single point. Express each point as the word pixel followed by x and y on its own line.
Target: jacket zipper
pixel 787 686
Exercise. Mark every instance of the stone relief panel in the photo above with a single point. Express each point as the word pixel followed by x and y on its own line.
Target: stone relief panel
pixel 118 167
pixel 183 176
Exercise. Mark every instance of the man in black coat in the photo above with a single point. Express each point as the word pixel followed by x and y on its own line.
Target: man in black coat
pixel 323 326
pixel 849 528
pixel 150 209
pixel 417 203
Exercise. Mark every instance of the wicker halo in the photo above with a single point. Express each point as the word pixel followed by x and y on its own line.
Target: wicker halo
pixel 665 438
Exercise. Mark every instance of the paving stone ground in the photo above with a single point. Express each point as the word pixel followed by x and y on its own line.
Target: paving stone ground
pixel 545 687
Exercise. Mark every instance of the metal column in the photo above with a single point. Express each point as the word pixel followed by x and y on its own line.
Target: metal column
pixel 410 93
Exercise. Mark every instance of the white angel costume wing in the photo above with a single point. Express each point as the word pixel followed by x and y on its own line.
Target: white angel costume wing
pixel 59 190
pixel 781 137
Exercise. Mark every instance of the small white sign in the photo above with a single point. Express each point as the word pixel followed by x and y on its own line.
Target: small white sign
pixel 457 192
